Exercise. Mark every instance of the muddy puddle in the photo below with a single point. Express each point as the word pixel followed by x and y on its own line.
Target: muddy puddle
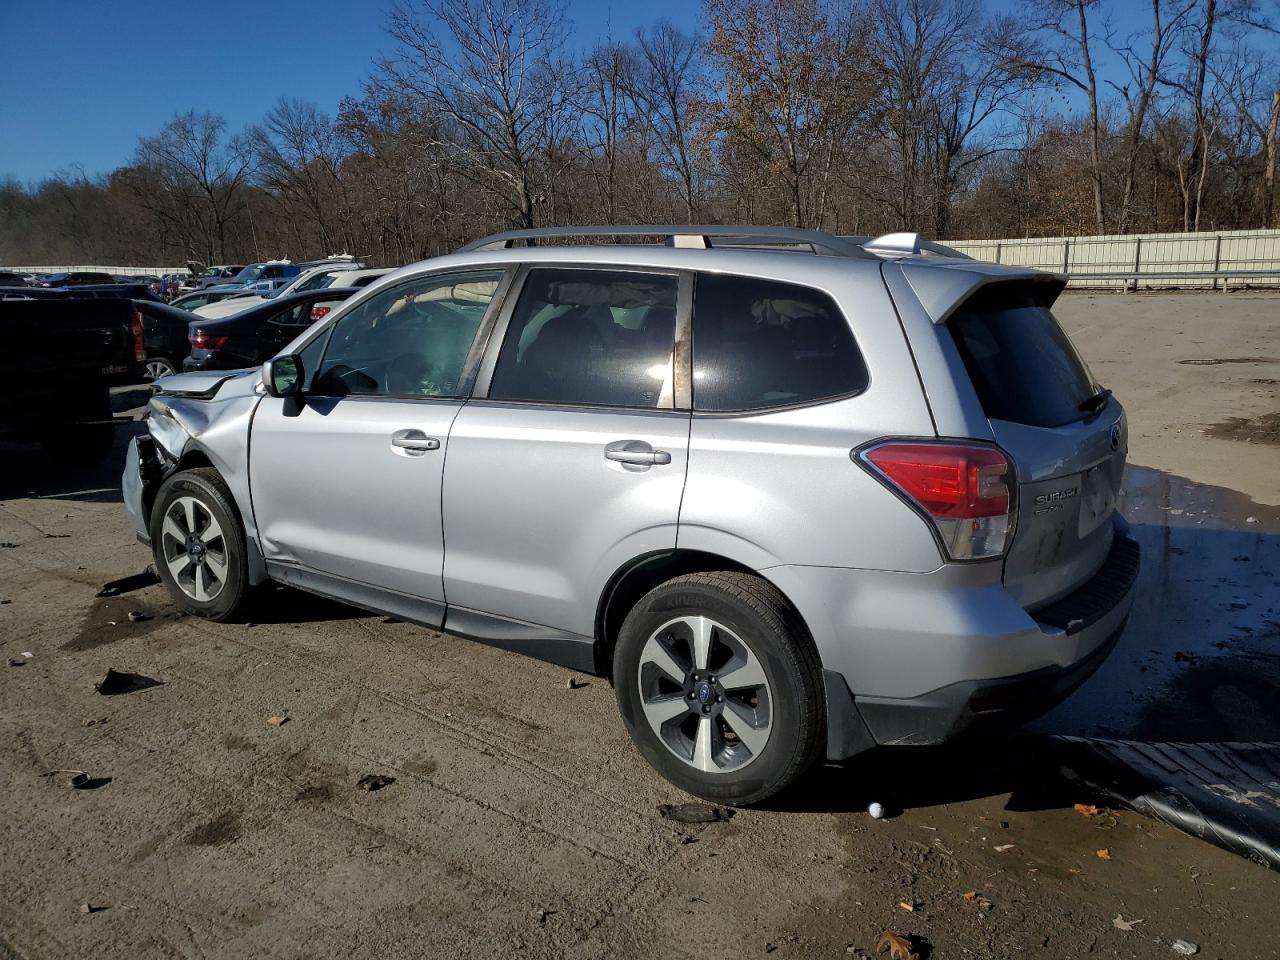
pixel 1200 658
pixel 1264 429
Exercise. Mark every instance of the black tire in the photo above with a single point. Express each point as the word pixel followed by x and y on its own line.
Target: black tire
pixel 206 487
pixel 761 617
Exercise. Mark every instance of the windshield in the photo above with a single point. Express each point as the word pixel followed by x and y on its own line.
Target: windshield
pixel 317 282
pixel 249 274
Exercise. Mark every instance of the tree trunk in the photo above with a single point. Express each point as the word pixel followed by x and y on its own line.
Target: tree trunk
pixel 1269 218
pixel 1200 152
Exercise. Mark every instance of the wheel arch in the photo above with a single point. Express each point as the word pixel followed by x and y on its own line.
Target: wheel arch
pixel 195 457
pixel 640 575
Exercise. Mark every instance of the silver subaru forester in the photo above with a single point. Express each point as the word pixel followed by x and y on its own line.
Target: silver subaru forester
pixel 796 495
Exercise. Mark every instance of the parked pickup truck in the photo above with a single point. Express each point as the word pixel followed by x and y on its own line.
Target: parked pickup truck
pixel 58 358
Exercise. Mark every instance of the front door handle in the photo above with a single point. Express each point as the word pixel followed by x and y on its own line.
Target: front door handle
pixel 635 453
pixel 414 443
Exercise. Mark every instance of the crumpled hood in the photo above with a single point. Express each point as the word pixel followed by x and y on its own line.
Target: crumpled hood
pixel 206 383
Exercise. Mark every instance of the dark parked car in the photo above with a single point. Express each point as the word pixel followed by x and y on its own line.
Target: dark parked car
pixel 164 328
pixel 260 332
pixel 77 278
pixel 166 334
pixel 8 279
pixel 58 357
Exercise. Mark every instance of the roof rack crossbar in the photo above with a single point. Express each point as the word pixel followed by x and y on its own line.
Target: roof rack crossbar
pixel 684 235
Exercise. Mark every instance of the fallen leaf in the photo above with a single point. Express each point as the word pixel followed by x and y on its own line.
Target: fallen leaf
pixel 1003 847
pixel 977 899
pixel 1104 853
pixel 897 944
pixel 909 907
pixel 1088 809
pixel 1120 923
pixel 278 721
pixel 374 781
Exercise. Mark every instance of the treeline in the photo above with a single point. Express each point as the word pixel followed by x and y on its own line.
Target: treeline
pixel 854 116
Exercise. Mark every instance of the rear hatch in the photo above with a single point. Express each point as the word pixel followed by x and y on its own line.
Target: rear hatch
pixel 1066 437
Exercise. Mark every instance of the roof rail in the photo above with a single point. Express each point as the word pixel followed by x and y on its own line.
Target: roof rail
pixel 688 235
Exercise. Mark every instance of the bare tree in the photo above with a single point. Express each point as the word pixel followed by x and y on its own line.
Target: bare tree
pixel 1066 54
pixel 666 77
pixel 492 70
pixel 1144 72
pixel 202 172
pixel 795 85
pixel 298 156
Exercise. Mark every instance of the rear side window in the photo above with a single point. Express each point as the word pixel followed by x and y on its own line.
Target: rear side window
pixel 762 343
pixel 599 337
pixel 1023 366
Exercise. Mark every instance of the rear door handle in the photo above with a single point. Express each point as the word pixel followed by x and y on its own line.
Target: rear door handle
pixel 414 443
pixel 636 453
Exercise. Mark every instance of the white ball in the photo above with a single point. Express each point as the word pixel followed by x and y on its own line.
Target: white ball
pixel 876 811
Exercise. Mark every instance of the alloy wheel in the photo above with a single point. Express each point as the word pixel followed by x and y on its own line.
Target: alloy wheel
pixel 705 694
pixel 157 368
pixel 194 549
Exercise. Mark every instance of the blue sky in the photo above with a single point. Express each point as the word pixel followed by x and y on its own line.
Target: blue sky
pixel 80 80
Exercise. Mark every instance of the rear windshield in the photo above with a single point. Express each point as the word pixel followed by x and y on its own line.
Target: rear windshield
pixel 1022 365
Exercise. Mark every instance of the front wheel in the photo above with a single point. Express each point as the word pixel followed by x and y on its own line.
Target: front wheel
pixel 199 544
pixel 720 686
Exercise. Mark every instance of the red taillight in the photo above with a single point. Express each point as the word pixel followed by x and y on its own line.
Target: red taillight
pixel 202 341
pixel 139 338
pixel 319 313
pixel 966 490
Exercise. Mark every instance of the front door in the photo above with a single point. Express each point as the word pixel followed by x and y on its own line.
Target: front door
pixel 570 460
pixel 347 483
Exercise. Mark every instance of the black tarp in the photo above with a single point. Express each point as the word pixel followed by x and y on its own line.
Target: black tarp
pixel 1226 793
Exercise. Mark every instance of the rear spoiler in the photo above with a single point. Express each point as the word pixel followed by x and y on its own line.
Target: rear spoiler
pixel 942 288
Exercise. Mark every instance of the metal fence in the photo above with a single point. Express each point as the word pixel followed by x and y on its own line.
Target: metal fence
pixel 1145 260
pixel 97 268
pixel 1133 261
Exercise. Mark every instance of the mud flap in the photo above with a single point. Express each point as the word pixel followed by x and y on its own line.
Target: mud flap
pixel 1226 793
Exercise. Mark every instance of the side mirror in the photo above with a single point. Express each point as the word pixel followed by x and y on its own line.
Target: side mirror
pixel 282 376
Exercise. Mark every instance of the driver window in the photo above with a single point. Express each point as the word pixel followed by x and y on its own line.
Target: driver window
pixel 410 340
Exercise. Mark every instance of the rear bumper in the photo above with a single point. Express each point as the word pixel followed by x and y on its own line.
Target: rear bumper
pixel 1084 626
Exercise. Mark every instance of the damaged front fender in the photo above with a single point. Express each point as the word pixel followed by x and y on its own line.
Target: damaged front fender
pixel 209 427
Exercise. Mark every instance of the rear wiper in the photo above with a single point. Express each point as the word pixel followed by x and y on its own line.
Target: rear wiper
pixel 1096 402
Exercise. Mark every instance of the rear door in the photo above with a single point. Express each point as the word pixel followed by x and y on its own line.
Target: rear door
pixel 569 460
pixel 1067 442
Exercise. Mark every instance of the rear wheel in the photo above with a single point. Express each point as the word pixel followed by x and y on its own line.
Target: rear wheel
pixel 199 544
pixel 720 686
pixel 157 367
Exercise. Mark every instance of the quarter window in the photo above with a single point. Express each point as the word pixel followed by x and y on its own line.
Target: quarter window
pixel 761 343
pixel 409 340
pixel 602 337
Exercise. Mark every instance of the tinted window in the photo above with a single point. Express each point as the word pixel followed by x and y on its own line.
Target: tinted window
pixel 760 343
pixel 590 337
pixel 1022 365
pixel 409 340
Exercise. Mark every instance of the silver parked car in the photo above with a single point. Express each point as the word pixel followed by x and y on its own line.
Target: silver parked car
pixel 796 495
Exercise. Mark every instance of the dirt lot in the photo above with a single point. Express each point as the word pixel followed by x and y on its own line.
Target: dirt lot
pixel 521 823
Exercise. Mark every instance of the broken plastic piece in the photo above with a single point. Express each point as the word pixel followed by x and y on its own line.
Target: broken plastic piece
pixel 694 812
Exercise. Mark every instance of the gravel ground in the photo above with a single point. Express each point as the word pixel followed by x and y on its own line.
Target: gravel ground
pixel 521 823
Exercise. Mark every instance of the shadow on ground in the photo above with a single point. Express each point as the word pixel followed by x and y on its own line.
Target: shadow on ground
pixel 1178 722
